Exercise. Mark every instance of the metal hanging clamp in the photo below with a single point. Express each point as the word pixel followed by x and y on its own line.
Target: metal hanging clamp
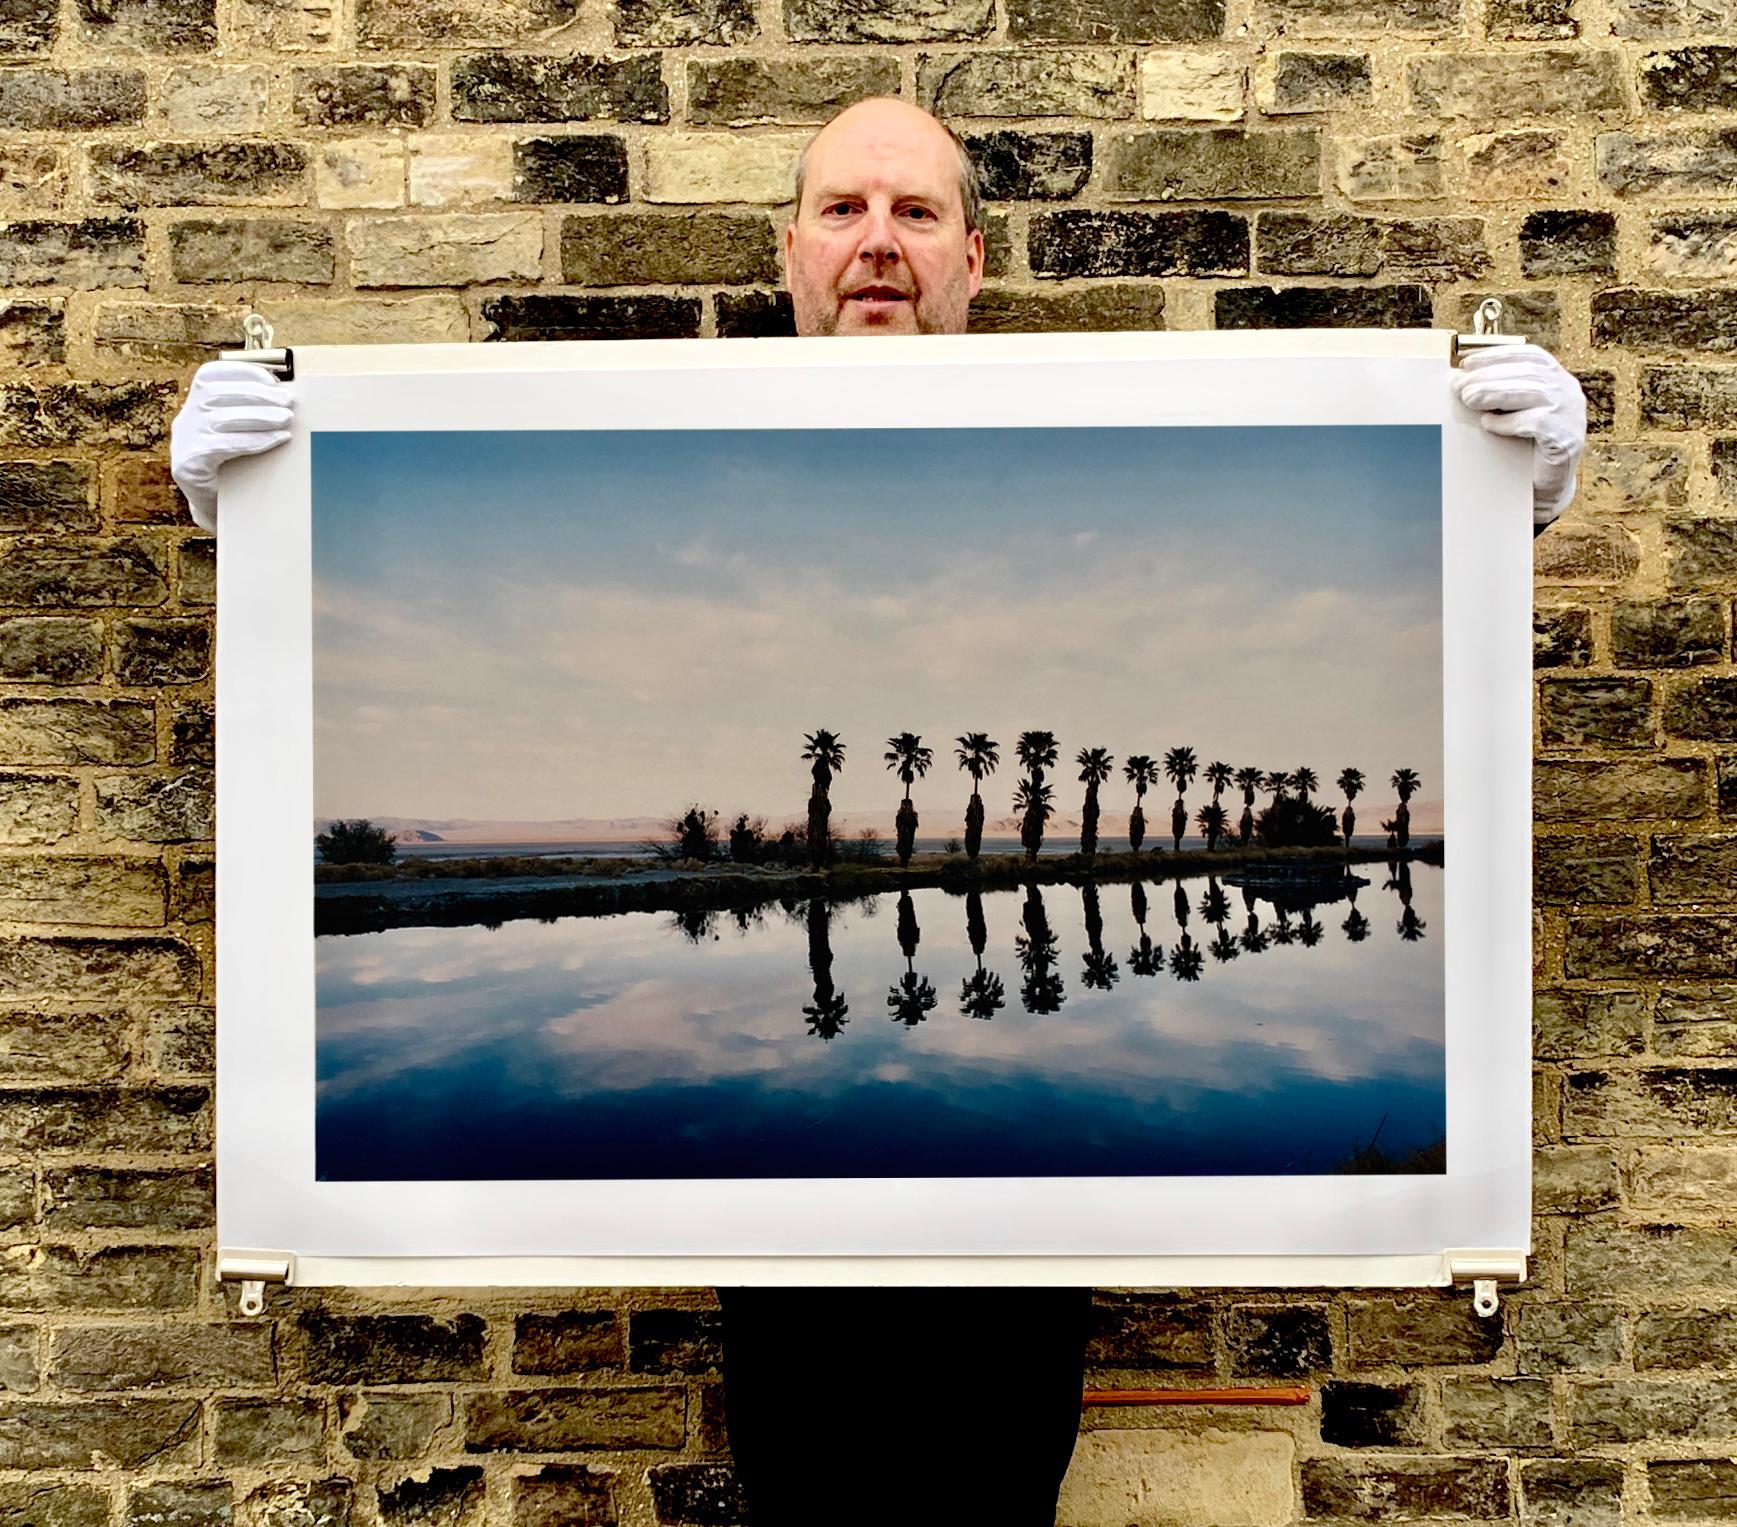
pixel 257 349
pixel 1484 1270
pixel 1486 330
pixel 253 1270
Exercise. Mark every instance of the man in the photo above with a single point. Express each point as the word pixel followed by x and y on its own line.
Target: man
pixel 918 1406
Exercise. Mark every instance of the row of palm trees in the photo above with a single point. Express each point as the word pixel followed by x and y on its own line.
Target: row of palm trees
pixel 979 755
pixel 983 992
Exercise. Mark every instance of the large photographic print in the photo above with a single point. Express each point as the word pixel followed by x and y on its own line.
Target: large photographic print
pixel 879 803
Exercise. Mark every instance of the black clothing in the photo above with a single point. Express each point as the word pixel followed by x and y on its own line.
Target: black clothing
pixel 920 1407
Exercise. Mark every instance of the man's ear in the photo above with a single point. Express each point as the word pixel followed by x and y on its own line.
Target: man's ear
pixel 788 248
pixel 974 259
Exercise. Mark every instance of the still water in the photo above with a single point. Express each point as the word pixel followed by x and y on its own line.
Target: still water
pixel 1107 1030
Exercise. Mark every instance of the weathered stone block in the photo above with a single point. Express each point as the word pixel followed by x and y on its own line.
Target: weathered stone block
pixel 452 1497
pixel 1684 1339
pixel 162 334
pixel 1690 79
pixel 1336 16
pixel 1483 1413
pixel 655 248
pixel 1692 246
pixel 47 495
pixel 564 1495
pixel 155 652
pixel 1086 310
pixel 1020 166
pixel 1372 1415
pixel 119 1278
pixel 360 172
pixel 1642 946
pixel 1139 244
pixel 209 1504
pixel 1700 551
pixel 1062 82
pixel 1287 81
pixel 196 571
pixel 744 92
pixel 1526 163
pixel 1696 1022
pixel 887 20
pixel 363 95
pixel 284 26
pixel 1618 476
pixel 1577 1492
pixel 156 1120
pixel 1598 712
pixel 97 251
pixel 20 1374
pixel 1322 307
pixel 1650 1261
pixel 127 1434
pixel 301 1503
pixel 571 1420
pixel 1667 1101
pixel 1418 1330
pixel 1600 389
pixel 1146 1331
pixel 380 1424
pixel 427 319
pixel 193 892
pixel 556 315
pixel 677 23
pixel 1405 1489
pixel 149 26
pixel 455 250
pixel 701 1493
pixel 50 649
pixel 1183 164
pixel 1695 162
pixel 1531 20
pixel 28 28
pixel 127 1198
pixel 722 167
pixel 1692 868
pixel 169 1357
pixel 1581 869
pixel 448 169
pixel 675 1341
pixel 284 1429
pixel 764 315
pixel 1484 86
pixel 454 23
pixel 588 167
pixel 1278 1341
pixel 210 98
pixel 1191 86
pixel 1705 709
pixel 518 87
pixel 1703 320
pixel 1561 637
pixel 65 888
pixel 1635 1410
pixel 1572 1023
pixel 76 731
pixel 81 572
pixel 33 333
pixel 1568 1338
pixel 391 1349
pixel 570 1341
pixel 214 172
pixel 191 737
pixel 1234 1479
pixel 259 248
pixel 1388 166
pixel 172 808
pixel 70 101
pixel 1568 244
pixel 1583 552
pixel 37 808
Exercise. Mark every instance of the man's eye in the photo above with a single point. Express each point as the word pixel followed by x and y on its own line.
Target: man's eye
pixel 918 212
pixel 837 206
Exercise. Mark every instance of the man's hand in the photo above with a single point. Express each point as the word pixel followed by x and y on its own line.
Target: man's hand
pixel 1525 391
pixel 233 408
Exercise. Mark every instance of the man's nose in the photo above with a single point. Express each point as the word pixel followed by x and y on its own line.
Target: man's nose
pixel 880 243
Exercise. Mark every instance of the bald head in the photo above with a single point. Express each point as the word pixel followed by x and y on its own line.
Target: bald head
pixel 884 237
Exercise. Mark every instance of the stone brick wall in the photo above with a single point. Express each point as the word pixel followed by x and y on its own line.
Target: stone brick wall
pixel 368 170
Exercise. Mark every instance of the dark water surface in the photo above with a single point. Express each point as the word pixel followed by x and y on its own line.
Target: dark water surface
pixel 868 1039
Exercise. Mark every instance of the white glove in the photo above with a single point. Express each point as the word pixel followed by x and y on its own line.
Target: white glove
pixel 233 408
pixel 1525 391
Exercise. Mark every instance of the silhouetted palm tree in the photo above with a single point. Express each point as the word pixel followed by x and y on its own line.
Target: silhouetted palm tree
pixel 1212 823
pixel 1276 781
pixel 1100 972
pixel 981 994
pixel 1249 780
pixel 1036 752
pixel 1142 773
pixel 1180 767
pixel 910 760
pixel 1143 958
pixel 1350 781
pixel 1041 991
pixel 1406 782
pixel 827 1014
pixel 1095 765
pixel 826 753
pixel 978 755
pixel 1303 781
pixel 1219 776
pixel 913 998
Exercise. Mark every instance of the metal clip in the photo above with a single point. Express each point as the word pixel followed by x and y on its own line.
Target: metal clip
pixel 1486 330
pixel 253 1270
pixel 1484 1270
pixel 257 349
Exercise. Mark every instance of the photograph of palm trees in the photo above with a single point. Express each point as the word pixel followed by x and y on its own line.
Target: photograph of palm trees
pixel 878 803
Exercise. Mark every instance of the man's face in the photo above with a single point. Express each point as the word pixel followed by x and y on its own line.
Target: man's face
pixel 879 244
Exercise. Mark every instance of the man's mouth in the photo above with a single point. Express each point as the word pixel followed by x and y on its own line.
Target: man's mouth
pixel 877 294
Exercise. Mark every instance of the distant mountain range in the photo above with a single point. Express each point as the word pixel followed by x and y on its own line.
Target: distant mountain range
pixel 1426 818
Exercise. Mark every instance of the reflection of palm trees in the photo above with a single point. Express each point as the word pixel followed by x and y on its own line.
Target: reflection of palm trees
pixel 1282 932
pixel 913 998
pixel 910 760
pixel 1215 908
pixel 1356 925
pixel 978 756
pixel 1309 932
pixel 1350 781
pixel 1180 767
pixel 1041 991
pixel 1410 926
pixel 1186 959
pixel 1142 774
pixel 1095 765
pixel 1406 782
pixel 1036 752
pixel 697 925
pixel 1248 780
pixel 826 753
pixel 1253 938
pixel 1100 972
pixel 981 995
pixel 826 1015
pixel 1143 959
